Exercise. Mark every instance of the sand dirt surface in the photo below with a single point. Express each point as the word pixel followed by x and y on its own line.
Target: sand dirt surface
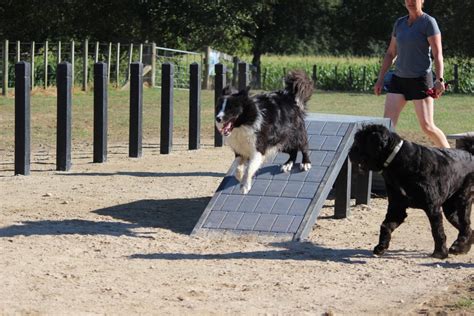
pixel 114 238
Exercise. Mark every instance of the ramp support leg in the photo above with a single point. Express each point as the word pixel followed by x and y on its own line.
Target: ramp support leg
pixel 343 191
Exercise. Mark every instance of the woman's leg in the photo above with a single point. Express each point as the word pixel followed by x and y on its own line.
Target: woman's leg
pixel 394 104
pixel 424 111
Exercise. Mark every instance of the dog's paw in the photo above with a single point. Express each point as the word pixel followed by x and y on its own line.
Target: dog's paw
pixel 305 166
pixel 239 174
pixel 245 188
pixel 379 250
pixel 287 167
pixel 459 248
pixel 440 254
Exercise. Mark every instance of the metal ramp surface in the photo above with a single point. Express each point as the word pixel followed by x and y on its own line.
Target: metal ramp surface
pixel 283 205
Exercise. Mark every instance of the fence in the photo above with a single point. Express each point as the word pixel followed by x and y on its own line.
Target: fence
pixel 45 56
pixel 64 81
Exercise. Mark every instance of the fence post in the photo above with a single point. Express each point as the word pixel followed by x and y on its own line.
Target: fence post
pixel 59 52
pixel 96 53
pixel 130 57
pixel 18 51
pixel 153 64
pixel 315 74
pixel 140 53
pixel 73 61
pixel 100 112
pixel 456 78
pixel 109 61
pixel 167 79
pixel 33 50
pixel 136 110
pixel 364 77
pixel 206 80
pixel 85 65
pixel 235 71
pixel 22 118
pixel 117 67
pixel 243 75
pixel 64 103
pixel 46 53
pixel 5 68
pixel 194 106
pixel 219 84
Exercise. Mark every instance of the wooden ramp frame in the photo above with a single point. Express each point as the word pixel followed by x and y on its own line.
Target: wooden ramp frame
pixel 286 205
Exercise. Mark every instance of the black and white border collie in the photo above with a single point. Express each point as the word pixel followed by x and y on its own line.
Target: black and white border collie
pixel 258 126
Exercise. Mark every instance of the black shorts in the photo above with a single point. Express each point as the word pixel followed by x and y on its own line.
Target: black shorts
pixel 411 88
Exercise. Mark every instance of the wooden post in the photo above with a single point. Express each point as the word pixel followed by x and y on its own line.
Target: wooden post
pixel 167 80
pixel 59 52
pixel 85 65
pixel 206 82
pixel 219 84
pixel 343 191
pixel 5 68
pixel 235 71
pixel 96 54
pixel 153 64
pixel 130 57
pixel 46 53
pixel 315 74
pixel 243 75
pixel 22 118
pixel 100 112
pixel 194 106
pixel 73 62
pixel 140 53
pixel 18 51
pixel 109 62
pixel 456 78
pixel 33 51
pixel 64 103
pixel 117 67
pixel 136 110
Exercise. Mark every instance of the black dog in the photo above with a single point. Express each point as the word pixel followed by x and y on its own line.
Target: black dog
pixel 259 126
pixel 420 177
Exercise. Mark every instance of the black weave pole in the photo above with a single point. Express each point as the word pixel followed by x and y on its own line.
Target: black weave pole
pixel 167 78
pixel 136 110
pixel 194 106
pixel 64 103
pixel 22 118
pixel 243 75
pixel 219 84
pixel 100 112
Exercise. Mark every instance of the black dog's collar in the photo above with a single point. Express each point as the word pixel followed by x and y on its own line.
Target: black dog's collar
pixel 393 154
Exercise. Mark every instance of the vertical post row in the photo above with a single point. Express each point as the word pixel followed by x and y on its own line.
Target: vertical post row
pixel 85 65
pixel 22 118
pixel 73 62
pixel 18 51
pixel 59 52
pixel 153 64
pixel 117 67
pixel 100 112
pixel 64 103
pixel 243 75
pixel 96 53
pixel 136 110
pixel 194 106
pixel 109 61
pixel 167 79
pixel 220 81
pixel 5 68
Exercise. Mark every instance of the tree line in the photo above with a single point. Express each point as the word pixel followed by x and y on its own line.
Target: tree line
pixel 332 27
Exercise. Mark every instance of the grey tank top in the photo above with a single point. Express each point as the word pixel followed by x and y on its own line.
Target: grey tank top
pixel 413 48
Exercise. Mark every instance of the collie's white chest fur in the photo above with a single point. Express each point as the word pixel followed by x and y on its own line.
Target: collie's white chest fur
pixel 242 141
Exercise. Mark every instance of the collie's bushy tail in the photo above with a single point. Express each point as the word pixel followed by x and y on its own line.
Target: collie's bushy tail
pixel 467 144
pixel 300 85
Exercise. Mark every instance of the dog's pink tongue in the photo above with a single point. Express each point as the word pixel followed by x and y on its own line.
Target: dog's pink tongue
pixel 227 128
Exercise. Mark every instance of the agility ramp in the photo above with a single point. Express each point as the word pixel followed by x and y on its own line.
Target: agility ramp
pixel 284 205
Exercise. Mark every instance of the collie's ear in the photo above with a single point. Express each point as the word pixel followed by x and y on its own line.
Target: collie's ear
pixel 245 91
pixel 228 90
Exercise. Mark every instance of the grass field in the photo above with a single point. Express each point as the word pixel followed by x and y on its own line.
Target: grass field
pixel 453 114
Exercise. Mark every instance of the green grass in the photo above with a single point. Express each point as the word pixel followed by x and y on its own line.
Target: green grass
pixel 453 114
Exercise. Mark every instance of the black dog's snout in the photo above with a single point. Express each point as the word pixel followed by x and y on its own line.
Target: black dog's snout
pixel 218 119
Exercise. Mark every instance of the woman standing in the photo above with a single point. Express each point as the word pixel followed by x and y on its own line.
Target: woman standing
pixel 414 37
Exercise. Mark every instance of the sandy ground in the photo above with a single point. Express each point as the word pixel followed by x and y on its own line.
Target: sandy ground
pixel 114 238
